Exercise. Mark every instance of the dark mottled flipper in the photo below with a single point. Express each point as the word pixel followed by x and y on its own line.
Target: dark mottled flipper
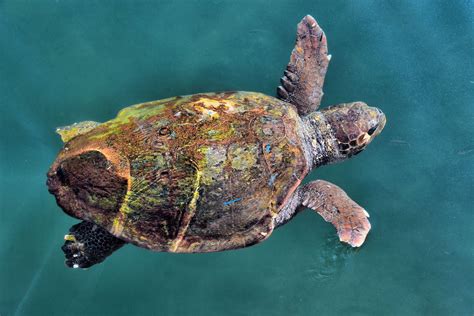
pixel 88 244
pixel 333 204
pixel 302 84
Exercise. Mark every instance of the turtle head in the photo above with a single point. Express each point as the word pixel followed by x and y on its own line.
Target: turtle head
pixel 354 126
pixel 343 131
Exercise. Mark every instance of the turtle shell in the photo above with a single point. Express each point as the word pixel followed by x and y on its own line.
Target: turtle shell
pixel 198 173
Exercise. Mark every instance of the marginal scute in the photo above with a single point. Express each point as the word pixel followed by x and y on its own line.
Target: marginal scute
pixel 87 186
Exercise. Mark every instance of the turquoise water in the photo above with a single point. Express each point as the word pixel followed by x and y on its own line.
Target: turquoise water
pixel 67 61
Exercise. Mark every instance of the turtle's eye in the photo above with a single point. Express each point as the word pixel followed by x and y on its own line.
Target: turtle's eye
pixel 372 130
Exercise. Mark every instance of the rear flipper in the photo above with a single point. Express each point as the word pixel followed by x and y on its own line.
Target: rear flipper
pixel 88 244
pixel 333 204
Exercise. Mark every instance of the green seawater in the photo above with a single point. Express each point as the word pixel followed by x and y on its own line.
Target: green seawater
pixel 68 61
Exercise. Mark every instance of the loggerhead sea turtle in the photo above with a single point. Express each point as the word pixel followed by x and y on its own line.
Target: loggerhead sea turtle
pixel 212 171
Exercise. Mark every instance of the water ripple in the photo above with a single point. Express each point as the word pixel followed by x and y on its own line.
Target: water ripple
pixel 330 259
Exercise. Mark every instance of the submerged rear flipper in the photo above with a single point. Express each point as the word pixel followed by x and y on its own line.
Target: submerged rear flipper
pixel 88 244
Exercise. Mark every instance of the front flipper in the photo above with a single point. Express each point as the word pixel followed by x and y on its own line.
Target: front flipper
pixel 302 84
pixel 333 204
pixel 88 244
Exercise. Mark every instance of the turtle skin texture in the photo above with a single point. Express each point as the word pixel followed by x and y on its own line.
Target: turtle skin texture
pixel 199 173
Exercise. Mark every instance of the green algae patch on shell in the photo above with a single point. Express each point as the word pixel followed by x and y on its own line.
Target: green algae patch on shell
pixel 69 132
pixel 127 115
pixel 243 157
pixel 206 172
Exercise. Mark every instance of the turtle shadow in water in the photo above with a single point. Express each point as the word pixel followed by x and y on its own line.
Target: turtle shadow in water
pixel 329 260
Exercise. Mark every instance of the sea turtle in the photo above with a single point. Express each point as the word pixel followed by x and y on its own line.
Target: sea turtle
pixel 212 171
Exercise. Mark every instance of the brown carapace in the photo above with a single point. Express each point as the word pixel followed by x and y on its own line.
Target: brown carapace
pixel 212 171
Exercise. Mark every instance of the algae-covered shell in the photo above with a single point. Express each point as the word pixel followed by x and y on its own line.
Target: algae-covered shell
pixel 198 173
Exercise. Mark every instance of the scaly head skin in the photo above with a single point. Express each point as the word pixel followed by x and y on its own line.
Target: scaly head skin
pixel 342 131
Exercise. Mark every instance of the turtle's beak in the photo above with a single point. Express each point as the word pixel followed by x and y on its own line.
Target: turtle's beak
pixel 380 121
